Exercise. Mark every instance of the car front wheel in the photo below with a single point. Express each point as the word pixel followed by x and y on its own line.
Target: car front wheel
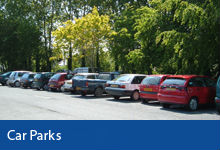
pixel 17 84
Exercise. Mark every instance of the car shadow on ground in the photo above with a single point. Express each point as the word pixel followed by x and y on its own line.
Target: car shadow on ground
pixel 123 100
pixel 181 109
pixel 88 97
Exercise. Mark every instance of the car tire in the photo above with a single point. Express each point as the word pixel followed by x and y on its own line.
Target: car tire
pixel 193 104
pixel 98 92
pixel 218 109
pixel 164 105
pixel 83 93
pixel 3 84
pixel 135 96
pixel 45 87
pixel 116 97
pixel 17 84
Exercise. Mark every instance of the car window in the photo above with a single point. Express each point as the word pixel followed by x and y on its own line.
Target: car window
pixel 20 74
pixel 78 77
pixel 91 77
pixel 196 82
pixel 37 76
pixel 151 81
pixel 68 77
pixel 174 81
pixel 6 74
pixel 137 80
pixel 104 76
pixel 12 74
pixel 31 76
pixel 56 77
pixel 25 75
pixel 209 82
pixel 123 78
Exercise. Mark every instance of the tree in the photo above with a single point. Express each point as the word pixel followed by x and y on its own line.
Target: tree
pixel 180 37
pixel 87 34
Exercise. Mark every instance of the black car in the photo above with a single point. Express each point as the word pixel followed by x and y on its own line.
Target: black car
pixel 27 80
pixel 41 80
pixel 4 77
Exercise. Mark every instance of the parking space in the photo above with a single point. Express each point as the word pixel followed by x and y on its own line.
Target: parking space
pixel 29 104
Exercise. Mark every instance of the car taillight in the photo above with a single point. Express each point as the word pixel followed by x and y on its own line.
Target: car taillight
pixel 107 85
pixel 87 84
pixel 122 86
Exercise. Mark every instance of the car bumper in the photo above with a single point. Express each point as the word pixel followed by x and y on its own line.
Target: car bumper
pixel 173 99
pixel 118 91
pixel 84 89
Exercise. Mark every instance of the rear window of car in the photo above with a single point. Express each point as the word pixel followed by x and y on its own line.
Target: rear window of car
pixel 78 77
pixel 151 81
pixel 105 76
pixel 123 78
pixel 56 77
pixel 174 81
pixel 38 76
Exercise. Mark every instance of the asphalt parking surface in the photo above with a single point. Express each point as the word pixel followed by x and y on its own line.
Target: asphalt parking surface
pixel 29 104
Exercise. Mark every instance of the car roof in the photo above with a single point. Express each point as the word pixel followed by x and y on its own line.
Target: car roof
pixel 85 74
pixel 157 75
pixel 186 76
pixel 135 74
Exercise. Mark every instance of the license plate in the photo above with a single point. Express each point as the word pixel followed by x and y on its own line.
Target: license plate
pixel 51 85
pixel 113 85
pixel 78 88
pixel 69 82
pixel 35 80
pixel 171 89
pixel 148 89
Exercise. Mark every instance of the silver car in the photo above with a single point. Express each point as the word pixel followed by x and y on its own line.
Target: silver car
pixel 14 78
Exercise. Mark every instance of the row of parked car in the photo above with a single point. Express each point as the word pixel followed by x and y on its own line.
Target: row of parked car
pixel 188 90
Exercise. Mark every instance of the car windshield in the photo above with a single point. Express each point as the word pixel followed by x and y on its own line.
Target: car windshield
pixel 78 77
pixel 56 77
pixel 151 81
pixel 104 76
pixel 6 74
pixel 37 76
pixel 174 81
pixel 123 78
pixel 25 75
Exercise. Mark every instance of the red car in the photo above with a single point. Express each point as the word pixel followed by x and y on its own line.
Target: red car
pixel 188 90
pixel 57 80
pixel 149 87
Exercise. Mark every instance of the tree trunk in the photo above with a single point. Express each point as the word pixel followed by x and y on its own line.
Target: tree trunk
pixel 70 59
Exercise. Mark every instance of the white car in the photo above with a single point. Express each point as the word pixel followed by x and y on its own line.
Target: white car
pixel 125 85
pixel 67 87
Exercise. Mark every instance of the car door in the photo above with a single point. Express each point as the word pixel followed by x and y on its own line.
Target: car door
pixel 196 88
pixel 211 87
pixel 136 82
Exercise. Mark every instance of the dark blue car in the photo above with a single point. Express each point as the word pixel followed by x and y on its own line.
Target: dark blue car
pixel 4 78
